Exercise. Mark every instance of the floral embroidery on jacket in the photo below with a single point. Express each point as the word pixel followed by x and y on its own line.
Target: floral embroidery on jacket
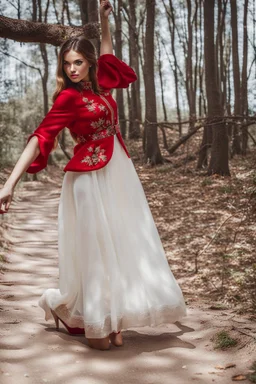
pixel 97 155
pixel 109 131
pixel 103 108
pixel 103 133
pixel 90 104
pixel 98 123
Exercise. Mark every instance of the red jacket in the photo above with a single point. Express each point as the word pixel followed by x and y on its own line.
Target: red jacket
pixel 94 118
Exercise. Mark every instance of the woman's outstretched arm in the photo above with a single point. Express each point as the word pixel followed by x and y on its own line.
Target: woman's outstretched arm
pixel 29 154
pixel 106 42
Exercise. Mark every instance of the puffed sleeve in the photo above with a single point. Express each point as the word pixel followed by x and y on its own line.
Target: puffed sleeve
pixel 114 73
pixel 60 116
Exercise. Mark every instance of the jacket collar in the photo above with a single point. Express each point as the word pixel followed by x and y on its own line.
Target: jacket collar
pixel 87 84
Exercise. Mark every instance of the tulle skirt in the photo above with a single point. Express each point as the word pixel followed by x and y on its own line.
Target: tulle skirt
pixel 113 272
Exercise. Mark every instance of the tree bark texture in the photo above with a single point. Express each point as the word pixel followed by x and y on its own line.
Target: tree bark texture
pixel 244 85
pixel 119 54
pixel 135 117
pixel 219 154
pixel 34 32
pixel 153 154
pixel 160 70
pixel 189 67
pixel 93 17
pixel 236 145
pixel 175 67
pixel 45 75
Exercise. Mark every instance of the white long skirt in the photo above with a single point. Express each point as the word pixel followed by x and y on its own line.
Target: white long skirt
pixel 113 272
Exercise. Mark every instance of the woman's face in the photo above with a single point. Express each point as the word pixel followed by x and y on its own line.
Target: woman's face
pixel 76 66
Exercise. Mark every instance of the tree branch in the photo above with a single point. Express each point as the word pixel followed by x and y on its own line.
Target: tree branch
pixel 23 62
pixel 183 139
pixel 13 5
pixel 31 32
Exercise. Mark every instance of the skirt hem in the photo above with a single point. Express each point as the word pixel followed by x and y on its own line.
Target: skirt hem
pixel 151 317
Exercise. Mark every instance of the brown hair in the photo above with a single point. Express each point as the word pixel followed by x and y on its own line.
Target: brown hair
pixel 83 46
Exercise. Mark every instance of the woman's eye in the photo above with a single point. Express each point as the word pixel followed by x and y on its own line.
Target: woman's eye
pixel 78 62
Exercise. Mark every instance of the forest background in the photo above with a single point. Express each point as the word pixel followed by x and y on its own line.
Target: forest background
pixel 190 127
pixel 189 121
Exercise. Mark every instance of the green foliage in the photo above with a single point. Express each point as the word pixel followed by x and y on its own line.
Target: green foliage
pixel 19 117
pixel 164 169
pixel 226 189
pixel 223 340
pixel 252 376
pixel 206 181
pixel 2 262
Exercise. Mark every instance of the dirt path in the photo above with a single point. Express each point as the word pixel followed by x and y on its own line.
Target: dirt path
pixel 32 351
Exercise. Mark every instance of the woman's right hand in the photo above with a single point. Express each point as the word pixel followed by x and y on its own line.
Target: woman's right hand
pixel 6 195
pixel 105 8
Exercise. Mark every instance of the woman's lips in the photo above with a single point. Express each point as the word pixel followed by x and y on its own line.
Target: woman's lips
pixel 74 75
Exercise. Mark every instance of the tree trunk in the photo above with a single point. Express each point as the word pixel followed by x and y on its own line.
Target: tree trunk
pixel 119 54
pixel 204 148
pixel 219 154
pixel 93 10
pixel 189 68
pixel 172 28
pixel 45 76
pixel 244 87
pixel 236 146
pixel 93 17
pixel 134 126
pixel 159 64
pixel 153 154
pixel 83 11
pixel 207 132
pixel 201 99
pixel 220 39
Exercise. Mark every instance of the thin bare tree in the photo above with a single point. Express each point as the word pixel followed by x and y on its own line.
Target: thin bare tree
pixel 244 84
pixel 236 145
pixel 153 154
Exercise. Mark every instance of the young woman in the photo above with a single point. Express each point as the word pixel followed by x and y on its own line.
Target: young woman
pixel 113 272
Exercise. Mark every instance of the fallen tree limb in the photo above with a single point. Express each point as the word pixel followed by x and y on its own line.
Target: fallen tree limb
pixel 183 139
pixel 221 119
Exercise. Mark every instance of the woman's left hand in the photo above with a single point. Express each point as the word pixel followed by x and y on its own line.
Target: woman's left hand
pixel 105 8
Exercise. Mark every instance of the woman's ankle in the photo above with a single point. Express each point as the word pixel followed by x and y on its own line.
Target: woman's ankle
pixel 101 344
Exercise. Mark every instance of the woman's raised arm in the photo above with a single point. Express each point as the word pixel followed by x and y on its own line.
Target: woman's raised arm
pixel 106 42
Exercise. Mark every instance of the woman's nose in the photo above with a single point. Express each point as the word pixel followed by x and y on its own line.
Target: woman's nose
pixel 72 68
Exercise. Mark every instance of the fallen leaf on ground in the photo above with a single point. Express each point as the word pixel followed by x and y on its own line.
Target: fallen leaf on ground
pixel 229 365
pixel 238 377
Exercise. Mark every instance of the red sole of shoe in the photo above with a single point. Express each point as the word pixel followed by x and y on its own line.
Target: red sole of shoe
pixel 73 331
